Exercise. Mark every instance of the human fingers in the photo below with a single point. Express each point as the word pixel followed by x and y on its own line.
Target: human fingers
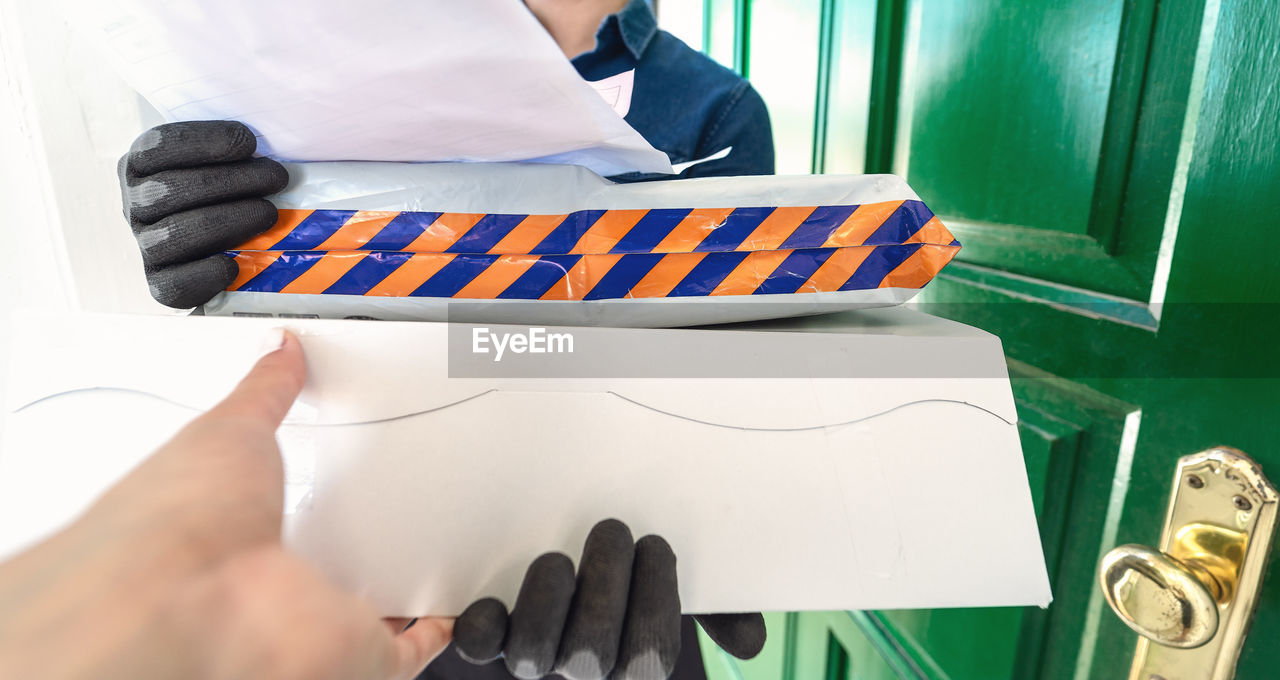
pixel 481 630
pixel 651 633
pixel 191 284
pixel 193 234
pixel 149 198
pixel 589 645
pixel 189 144
pixel 213 151
pixel 265 614
pixel 415 647
pixel 191 190
pixel 533 633
pixel 182 253
pixel 398 624
pixel 742 635
pixel 265 395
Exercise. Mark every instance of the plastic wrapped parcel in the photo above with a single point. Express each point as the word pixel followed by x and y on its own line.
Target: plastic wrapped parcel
pixel 558 245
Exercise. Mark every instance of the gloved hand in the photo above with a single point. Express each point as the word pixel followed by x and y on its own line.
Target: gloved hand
pixel 620 619
pixel 191 190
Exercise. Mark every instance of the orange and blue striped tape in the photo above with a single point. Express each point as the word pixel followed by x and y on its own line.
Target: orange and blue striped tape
pixel 660 230
pixel 597 255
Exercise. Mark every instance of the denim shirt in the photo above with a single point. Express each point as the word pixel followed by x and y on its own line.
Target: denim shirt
pixel 682 102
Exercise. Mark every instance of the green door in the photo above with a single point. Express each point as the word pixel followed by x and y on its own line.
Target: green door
pixel 1112 168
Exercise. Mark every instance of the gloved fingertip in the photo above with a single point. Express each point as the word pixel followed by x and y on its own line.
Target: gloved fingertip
pixel 551 565
pixel 275 176
pixel 593 631
pixel 148 140
pixel 481 630
pixel 187 144
pixel 650 642
pixel 538 618
pixel 742 635
pixel 611 527
pixel 655 545
pixel 192 284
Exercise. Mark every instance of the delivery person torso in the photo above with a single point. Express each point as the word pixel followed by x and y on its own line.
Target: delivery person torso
pixel 710 122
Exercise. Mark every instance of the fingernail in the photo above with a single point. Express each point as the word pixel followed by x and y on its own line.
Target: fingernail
pixel 272 341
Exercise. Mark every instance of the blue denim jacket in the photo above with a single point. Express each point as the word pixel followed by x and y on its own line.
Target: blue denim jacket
pixel 683 102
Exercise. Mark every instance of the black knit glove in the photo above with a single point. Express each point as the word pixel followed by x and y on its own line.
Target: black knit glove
pixel 190 191
pixel 620 618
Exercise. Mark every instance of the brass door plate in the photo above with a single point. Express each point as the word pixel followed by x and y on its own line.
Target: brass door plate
pixel 1221 506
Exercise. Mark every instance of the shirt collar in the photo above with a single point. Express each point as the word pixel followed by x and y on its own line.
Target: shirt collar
pixel 636 24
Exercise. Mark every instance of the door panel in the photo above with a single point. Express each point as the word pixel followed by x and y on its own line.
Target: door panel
pixel 1021 121
pixel 1039 74
pixel 1112 168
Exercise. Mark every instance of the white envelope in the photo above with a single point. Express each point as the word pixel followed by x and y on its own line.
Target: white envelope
pixel 423 491
pixel 391 80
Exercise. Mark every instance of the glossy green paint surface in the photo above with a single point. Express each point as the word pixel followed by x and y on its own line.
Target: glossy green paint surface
pixel 1231 195
pixel 1009 103
pixel 1113 170
pixel 1207 373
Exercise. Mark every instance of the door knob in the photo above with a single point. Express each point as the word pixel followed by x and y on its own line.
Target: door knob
pixel 1163 598
pixel 1192 598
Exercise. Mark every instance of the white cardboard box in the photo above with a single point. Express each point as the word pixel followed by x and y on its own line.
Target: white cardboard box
pixel 797 489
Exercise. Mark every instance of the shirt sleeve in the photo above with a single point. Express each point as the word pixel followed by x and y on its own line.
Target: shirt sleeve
pixel 742 126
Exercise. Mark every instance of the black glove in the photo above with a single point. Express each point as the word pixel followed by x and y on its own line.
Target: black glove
pixel 190 191
pixel 620 619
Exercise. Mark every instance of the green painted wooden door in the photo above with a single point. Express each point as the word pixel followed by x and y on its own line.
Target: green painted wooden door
pixel 1112 168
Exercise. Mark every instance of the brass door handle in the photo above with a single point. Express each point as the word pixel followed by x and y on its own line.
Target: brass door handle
pixel 1159 596
pixel 1191 600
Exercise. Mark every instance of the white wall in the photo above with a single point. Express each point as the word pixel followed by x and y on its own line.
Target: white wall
pixel 64 120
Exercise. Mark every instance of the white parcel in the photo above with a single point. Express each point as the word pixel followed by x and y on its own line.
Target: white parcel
pixel 806 489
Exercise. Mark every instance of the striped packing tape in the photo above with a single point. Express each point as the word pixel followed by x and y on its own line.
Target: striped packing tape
pixel 598 276
pixel 660 230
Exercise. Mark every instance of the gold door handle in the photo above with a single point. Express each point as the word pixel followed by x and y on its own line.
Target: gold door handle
pixel 1160 597
pixel 1191 600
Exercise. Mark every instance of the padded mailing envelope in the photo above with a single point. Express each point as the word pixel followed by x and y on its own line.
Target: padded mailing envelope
pixel 516 243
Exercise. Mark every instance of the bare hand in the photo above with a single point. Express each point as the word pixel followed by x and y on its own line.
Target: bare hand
pixel 178 571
